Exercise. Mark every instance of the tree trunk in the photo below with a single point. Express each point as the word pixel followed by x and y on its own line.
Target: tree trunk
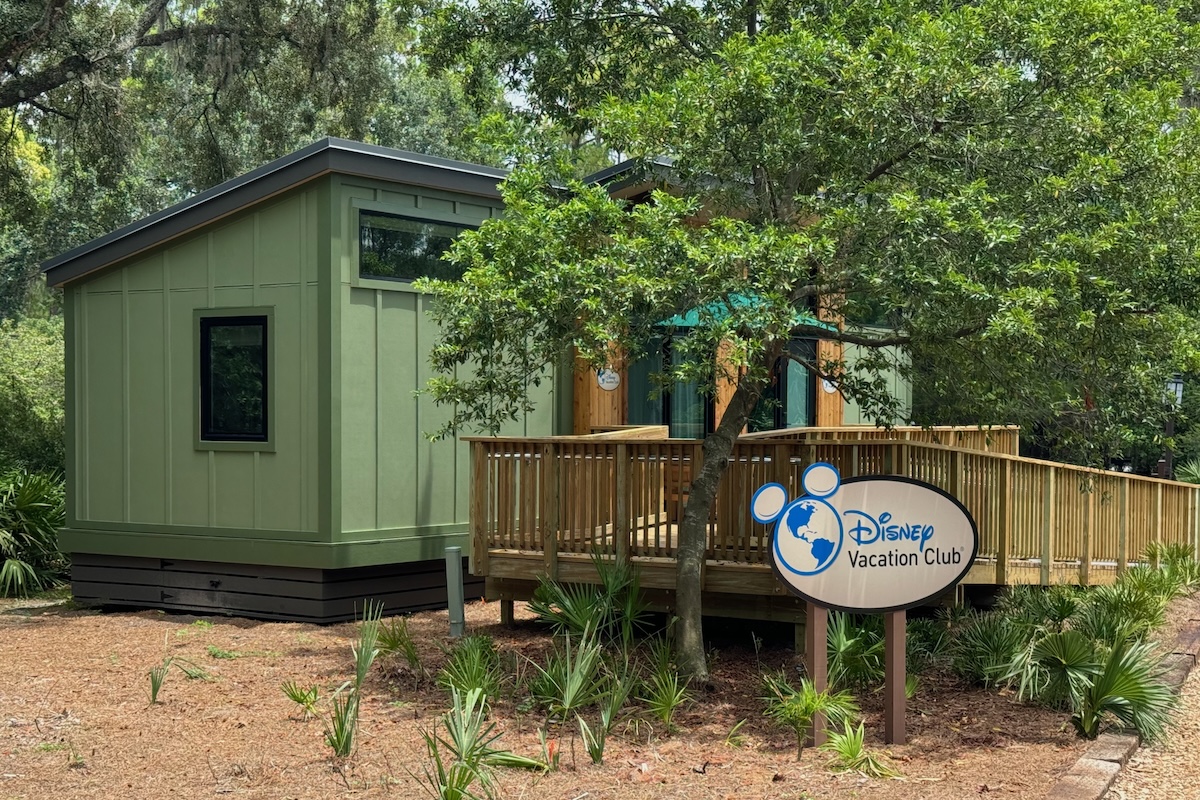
pixel 689 553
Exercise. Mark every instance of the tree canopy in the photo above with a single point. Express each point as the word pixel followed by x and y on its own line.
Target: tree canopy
pixel 1013 183
pixel 112 110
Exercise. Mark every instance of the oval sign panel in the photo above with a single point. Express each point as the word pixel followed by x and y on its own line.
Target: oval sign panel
pixel 871 544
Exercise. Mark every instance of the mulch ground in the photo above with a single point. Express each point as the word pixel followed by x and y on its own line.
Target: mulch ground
pixel 75 722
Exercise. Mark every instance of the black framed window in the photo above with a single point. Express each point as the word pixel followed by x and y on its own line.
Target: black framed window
pixel 789 402
pixel 399 248
pixel 233 379
pixel 687 412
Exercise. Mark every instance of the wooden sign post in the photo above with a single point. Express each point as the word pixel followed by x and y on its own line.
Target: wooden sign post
pixel 816 661
pixel 895 676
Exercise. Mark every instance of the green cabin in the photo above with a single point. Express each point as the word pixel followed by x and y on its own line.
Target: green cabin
pixel 244 429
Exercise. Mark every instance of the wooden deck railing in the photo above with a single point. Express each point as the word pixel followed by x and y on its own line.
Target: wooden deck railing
pixel 996 439
pixel 1039 521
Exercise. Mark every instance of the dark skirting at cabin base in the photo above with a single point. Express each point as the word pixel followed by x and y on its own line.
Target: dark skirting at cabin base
pixel 262 592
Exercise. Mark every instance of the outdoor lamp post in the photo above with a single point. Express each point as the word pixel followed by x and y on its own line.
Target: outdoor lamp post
pixel 1174 397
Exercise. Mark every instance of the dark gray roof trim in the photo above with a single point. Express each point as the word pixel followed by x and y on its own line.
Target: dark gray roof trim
pixel 633 171
pixel 328 155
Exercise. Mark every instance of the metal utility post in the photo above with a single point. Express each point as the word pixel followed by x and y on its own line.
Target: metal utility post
pixel 1174 396
pixel 454 591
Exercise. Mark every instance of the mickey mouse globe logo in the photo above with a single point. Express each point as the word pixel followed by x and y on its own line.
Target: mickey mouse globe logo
pixel 803 543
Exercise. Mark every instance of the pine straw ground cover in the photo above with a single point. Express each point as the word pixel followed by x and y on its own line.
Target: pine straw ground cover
pixel 75 722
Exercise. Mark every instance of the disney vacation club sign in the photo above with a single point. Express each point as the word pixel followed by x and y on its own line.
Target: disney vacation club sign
pixel 870 544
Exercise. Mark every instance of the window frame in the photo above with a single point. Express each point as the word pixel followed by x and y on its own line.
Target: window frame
pixel 204 317
pixel 414 213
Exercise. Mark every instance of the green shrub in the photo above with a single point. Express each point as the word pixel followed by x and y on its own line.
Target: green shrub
pixel 855 647
pixel 1036 609
pixel 32 509
pixel 1188 471
pixel 1056 669
pixel 795 708
pixel 1113 614
pixel 571 679
pixel 850 755
pixel 465 755
pixel 614 610
pixel 1180 561
pixel 473 664
pixel 925 641
pixel 32 395
pixel 394 638
pixel 1128 689
pixel 665 690
pixel 985 648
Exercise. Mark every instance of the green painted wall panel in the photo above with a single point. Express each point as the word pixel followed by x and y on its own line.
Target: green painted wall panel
pixel 104 373
pixel 233 254
pixel 474 211
pixel 189 480
pixel 398 428
pixel 109 281
pixel 239 547
pixel 398 199
pixel 308 446
pixel 233 500
pixel 189 264
pixel 232 297
pixel 435 204
pixel 277 244
pixel 898 387
pixel 359 442
pixel 440 481
pixel 147 413
pixel 280 475
pixel 146 275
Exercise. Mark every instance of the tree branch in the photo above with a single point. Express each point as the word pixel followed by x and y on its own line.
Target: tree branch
pixel 882 168
pixel 50 110
pixel 25 88
pixel 894 340
pixel 15 47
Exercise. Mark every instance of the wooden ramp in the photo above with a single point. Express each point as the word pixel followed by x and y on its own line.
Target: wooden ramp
pixel 543 506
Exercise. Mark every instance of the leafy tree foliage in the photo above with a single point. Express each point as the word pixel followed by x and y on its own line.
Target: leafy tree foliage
pixel 31 395
pixel 1014 181
pixel 113 110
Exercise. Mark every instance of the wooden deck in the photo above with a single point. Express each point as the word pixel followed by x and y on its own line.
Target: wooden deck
pixel 543 506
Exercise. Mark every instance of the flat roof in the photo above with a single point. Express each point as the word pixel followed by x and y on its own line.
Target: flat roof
pixel 340 156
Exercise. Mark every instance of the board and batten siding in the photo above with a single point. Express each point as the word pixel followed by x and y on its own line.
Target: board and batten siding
pixel 395 484
pixel 896 383
pixel 134 373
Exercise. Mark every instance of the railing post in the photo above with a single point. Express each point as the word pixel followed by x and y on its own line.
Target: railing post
pixel 1156 531
pixel 479 524
pixel 782 472
pixel 550 510
pixel 1085 558
pixel 1004 535
pixel 956 475
pixel 1123 526
pixel 1195 531
pixel 1047 526
pixel 854 461
pixel 622 525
